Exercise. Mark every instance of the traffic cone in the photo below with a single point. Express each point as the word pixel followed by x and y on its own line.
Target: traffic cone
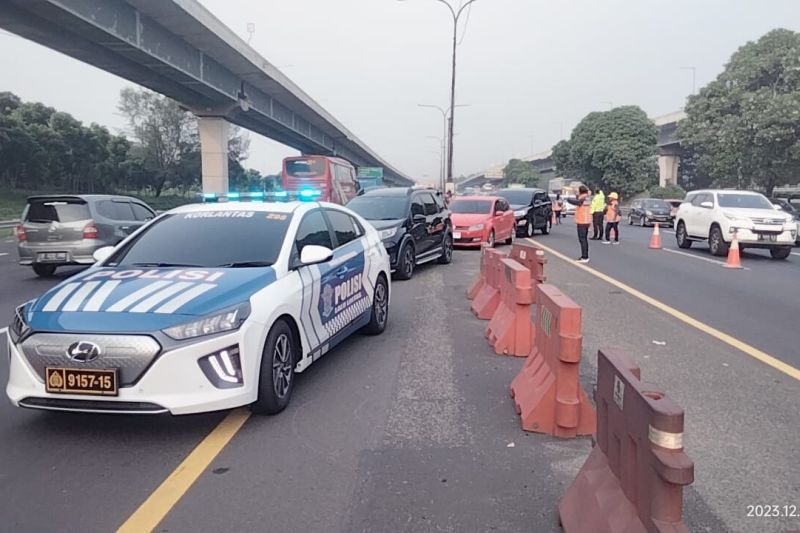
pixel 655 239
pixel 734 261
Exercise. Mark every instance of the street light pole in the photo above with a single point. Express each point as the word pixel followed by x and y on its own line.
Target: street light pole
pixel 441 158
pixel 456 16
pixel 445 113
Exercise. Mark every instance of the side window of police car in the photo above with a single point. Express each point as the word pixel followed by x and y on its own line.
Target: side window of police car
pixel 345 228
pixel 313 230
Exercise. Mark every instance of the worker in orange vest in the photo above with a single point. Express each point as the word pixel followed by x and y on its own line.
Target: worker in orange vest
pixel 612 218
pixel 583 219
pixel 558 203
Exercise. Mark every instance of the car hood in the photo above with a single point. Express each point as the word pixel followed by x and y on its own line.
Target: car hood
pixel 770 214
pixel 386 224
pixel 139 300
pixel 469 219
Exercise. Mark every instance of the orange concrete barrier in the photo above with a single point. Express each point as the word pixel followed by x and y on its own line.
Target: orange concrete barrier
pixel 510 331
pixel 478 284
pixel 487 299
pixel 547 392
pixel 531 256
pixel 634 477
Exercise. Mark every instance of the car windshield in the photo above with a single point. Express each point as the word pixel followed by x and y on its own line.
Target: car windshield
pixel 743 201
pixel 305 167
pixel 516 197
pixel 656 204
pixel 208 239
pixel 380 207
pixel 57 211
pixel 471 206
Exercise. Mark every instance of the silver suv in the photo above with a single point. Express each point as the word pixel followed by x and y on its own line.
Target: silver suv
pixel 66 230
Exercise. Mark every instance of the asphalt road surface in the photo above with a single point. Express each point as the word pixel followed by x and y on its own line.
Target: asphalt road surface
pixel 413 430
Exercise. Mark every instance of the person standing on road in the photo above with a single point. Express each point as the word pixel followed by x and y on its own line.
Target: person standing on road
pixel 598 209
pixel 612 218
pixel 583 219
pixel 557 205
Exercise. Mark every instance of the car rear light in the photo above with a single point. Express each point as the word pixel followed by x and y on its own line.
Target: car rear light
pixel 90 230
pixel 20 232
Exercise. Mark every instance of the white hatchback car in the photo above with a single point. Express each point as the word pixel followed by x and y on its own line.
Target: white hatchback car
pixel 715 215
pixel 207 307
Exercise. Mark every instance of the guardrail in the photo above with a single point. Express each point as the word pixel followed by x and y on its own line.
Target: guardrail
pixel 8 224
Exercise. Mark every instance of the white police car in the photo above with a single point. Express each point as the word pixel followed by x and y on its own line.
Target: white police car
pixel 208 307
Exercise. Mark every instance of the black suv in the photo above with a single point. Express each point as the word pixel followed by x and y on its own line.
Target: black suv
pixel 414 225
pixel 532 209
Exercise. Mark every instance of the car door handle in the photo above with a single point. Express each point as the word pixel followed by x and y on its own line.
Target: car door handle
pixel 342 271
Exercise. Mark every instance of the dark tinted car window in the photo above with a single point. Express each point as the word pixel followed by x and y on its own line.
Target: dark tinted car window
pixel 115 210
pixel 141 212
pixel 430 204
pixel 516 197
pixel 467 206
pixel 313 230
pixel 416 206
pixel 380 207
pixel 57 211
pixel 208 239
pixel 344 227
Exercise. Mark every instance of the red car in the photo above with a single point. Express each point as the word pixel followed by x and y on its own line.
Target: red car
pixel 479 219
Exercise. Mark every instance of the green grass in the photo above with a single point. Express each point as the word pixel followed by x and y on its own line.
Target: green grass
pixel 13 201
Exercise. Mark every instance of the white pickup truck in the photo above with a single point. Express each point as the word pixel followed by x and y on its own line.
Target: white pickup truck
pixel 715 215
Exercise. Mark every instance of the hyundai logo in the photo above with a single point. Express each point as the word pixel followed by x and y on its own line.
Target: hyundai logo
pixel 83 351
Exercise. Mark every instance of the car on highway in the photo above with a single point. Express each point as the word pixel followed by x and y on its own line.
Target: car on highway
pixel 532 208
pixel 715 216
pixel 482 219
pixel 648 211
pixel 61 230
pixel 208 307
pixel 674 204
pixel 413 223
pixel 787 206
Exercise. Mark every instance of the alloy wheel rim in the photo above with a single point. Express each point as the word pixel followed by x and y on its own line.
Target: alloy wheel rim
pixel 380 304
pixel 282 365
pixel 407 262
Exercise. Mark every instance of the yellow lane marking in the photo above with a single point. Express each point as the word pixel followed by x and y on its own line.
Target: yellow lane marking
pixel 752 351
pixel 164 498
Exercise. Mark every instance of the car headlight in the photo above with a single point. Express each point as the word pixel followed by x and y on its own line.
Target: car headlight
pixel 476 227
pixel 228 320
pixel 387 233
pixel 648 213
pixel 19 325
pixel 521 213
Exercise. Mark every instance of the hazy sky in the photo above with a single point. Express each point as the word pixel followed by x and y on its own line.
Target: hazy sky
pixel 527 68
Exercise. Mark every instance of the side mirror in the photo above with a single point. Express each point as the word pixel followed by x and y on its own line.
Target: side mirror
pixel 499 212
pixel 707 205
pixel 776 207
pixel 311 254
pixel 419 219
pixel 101 254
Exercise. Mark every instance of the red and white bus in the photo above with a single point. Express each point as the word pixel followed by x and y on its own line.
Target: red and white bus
pixel 319 177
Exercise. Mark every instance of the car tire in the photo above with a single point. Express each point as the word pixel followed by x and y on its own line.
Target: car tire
pixel 528 231
pixel 447 250
pixel 44 271
pixel 405 262
pixel 276 378
pixel 642 221
pixel 780 252
pixel 546 228
pixel 681 237
pixel 379 315
pixel 490 240
pixel 510 240
pixel 716 244
pixel 630 220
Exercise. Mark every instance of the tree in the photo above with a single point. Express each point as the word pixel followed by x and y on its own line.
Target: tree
pixel 613 150
pixel 745 125
pixel 522 172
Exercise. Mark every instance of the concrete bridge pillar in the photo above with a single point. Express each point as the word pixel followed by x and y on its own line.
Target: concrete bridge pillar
pixel 668 162
pixel 214 135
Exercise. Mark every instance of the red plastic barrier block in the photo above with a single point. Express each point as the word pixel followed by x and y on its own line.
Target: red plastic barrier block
pixel 478 284
pixel 547 391
pixel 510 331
pixel 530 256
pixel 486 301
pixel 633 480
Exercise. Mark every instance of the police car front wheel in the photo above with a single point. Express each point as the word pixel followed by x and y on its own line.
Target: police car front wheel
pixel 380 308
pixel 276 379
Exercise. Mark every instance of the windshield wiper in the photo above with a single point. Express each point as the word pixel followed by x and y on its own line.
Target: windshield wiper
pixel 245 264
pixel 164 265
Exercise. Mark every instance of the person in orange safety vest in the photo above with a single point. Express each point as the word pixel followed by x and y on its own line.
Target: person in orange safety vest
pixel 612 218
pixel 583 219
